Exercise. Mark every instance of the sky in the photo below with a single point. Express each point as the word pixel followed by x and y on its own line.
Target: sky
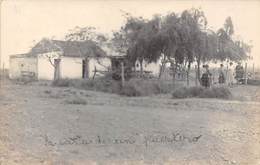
pixel 25 22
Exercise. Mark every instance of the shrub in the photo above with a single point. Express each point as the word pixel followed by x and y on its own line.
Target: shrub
pixel 196 91
pixel 141 87
pixel 180 93
pixel 62 83
pixel 253 82
pixel 214 92
pixel 133 87
pixel 24 80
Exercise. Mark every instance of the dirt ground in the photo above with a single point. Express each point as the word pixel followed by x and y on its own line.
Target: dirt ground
pixel 40 124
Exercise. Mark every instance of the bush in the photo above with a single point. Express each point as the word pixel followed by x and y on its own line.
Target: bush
pixel 133 87
pixel 141 87
pixel 253 82
pixel 62 83
pixel 214 92
pixel 99 84
pixel 180 93
pixel 24 80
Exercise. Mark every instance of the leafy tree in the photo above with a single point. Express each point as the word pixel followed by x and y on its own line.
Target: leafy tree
pixel 229 49
pixel 178 39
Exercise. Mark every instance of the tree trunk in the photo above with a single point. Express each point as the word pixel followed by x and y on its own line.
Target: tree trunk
pixel 56 69
pixel 134 67
pixel 196 75
pixel 141 67
pixel 188 74
pixel 173 72
pixel 198 69
pixel 95 72
pixel 162 68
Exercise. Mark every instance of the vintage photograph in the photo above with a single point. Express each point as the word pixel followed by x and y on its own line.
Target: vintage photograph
pixel 140 82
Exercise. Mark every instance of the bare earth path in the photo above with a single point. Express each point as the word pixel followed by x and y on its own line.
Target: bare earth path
pixel 40 124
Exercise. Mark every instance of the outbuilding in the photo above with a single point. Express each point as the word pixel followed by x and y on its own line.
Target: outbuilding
pixel 50 59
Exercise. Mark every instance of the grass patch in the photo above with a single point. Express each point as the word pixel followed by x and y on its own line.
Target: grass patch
pixel 214 92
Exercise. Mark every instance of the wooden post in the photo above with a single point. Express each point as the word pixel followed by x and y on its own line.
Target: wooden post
pixel 0 79
pixel 253 70
pixel 187 78
pixel 3 72
pixel 246 74
pixel 95 72
pixel 122 73
pixel 196 76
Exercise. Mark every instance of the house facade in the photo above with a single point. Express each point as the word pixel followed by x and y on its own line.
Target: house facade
pixel 67 59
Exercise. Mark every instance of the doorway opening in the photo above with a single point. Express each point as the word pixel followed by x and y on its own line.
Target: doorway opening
pixel 85 68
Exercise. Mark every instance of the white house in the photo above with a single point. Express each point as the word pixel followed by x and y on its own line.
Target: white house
pixel 68 59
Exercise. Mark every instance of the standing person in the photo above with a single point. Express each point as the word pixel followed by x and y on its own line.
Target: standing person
pixel 206 77
pixel 230 75
pixel 221 75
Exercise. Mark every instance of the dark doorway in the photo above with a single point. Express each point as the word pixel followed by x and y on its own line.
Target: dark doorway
pixel 85 68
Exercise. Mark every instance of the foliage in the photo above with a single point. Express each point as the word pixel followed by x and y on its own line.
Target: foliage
pixel 180 38
pixel 229 49
pixel 214 92
pixel 133 87
pixel 140 87
pixel 84 34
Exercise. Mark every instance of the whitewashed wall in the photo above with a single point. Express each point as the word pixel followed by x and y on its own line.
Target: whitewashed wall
pixel 99 65
pixel 45 68
pixel 71 67
pixel 19 64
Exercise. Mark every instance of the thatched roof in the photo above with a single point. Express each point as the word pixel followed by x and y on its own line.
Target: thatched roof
pixel 69 48
pixel 20 55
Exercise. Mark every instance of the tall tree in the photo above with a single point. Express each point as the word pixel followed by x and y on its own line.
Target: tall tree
pixel 228 48
pixel 194 24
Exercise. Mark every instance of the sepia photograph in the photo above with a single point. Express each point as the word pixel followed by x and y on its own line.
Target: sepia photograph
pixel 129 82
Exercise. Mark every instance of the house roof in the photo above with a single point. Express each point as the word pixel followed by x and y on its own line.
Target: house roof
pixel 69 48
pixel 20 55
pixel 111 52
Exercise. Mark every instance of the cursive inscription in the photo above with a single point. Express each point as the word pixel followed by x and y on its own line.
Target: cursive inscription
pixel 146 140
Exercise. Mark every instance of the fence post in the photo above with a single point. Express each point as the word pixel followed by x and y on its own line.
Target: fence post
pixel 3 72
pixel 196 76
pixel 253 70
pixel 246 73
pixel 122 73
pixel 0 76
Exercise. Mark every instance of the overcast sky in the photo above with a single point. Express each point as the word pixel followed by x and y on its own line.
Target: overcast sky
pixel 25 21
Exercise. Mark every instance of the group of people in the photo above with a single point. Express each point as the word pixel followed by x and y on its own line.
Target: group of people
pixel 228 76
